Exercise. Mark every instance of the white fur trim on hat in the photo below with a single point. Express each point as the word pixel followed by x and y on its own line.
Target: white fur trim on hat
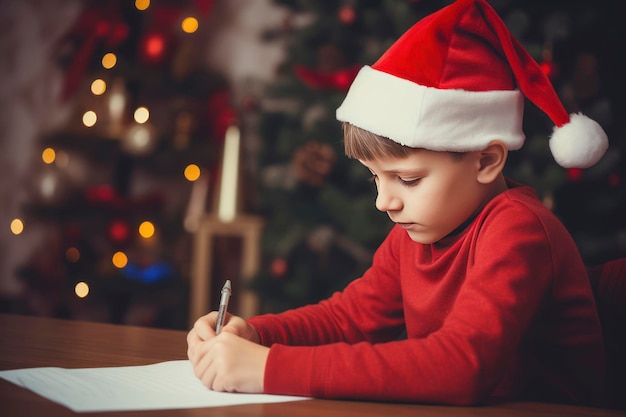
pixel 430 118
pixel 579 143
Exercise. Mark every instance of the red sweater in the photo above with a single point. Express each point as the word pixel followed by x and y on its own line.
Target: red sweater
pixel 504 311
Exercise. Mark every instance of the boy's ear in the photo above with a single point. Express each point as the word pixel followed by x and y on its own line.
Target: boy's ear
pixel 491 161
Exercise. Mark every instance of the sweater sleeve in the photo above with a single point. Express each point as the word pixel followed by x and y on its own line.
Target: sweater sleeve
pixel 506 269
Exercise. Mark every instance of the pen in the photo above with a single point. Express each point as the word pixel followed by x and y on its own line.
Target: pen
pixel 221 314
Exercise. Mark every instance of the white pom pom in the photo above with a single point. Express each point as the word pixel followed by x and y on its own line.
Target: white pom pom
pixel 578 144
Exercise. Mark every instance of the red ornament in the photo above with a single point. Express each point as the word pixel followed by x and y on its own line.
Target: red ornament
pixel 99 25
pixel 347 15
pixel 279 267
pixel 119 231
pixel 205 7
pixel 614 180
pixel 100 194
pixel 221 114
pixel 574 174
pixel 154 47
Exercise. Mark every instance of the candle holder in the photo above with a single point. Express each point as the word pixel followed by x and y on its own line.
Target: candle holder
pixel 226 243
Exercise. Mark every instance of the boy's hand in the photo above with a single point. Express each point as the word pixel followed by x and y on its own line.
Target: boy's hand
pixel 204 329
pixel 230 363
pixel 233 361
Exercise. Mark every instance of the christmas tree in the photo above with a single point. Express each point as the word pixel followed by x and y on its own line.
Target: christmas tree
pixel 144 131
pixel 322 227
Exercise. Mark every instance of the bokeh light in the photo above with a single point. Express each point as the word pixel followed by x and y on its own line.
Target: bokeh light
pixel 48 155
pixel 189 24
pixel 142 114
pixel 146 229
pixel 109 60
pixel 119 259
pixel 98 87
pixel 142 4
pixel 90 118
pixel 17 226
pixel 72 255
pixel 81 289
pixel 192 172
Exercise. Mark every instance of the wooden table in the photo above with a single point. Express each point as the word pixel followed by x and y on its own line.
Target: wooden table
pixel 36 341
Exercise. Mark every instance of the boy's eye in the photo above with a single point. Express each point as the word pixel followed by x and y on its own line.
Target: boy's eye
pixel 411 181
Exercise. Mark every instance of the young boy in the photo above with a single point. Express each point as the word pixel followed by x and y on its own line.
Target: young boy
pixel 478 294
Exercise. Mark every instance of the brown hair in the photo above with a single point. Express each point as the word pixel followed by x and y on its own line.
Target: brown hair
pixel 366 146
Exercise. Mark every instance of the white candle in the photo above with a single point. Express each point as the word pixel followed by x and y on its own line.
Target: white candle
pixel 230 170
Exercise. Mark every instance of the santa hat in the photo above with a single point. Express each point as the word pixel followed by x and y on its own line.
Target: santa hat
pixel 455 81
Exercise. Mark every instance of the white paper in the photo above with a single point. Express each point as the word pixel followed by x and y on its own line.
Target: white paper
pixel 165 385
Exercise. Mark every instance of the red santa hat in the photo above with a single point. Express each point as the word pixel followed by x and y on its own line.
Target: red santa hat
pixel 456 81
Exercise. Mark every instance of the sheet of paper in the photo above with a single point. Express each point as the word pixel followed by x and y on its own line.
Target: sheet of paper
pixel 165 385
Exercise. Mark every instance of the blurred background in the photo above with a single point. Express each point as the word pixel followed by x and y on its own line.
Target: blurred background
pixel 149 150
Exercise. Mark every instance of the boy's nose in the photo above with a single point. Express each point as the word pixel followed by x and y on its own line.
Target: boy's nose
pixel 386 201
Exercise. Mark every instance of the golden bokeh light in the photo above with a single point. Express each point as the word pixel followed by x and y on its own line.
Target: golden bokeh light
pixel 189 24
pixel 90 118
pixel 48 155
pixel 17 226
pixel 142 4
pixel 98 87
pixel 81 289
pixel 72 255
pixel 146 229
pixel 142 114
pixel 119 259
pixel 109 60
pixel 192 172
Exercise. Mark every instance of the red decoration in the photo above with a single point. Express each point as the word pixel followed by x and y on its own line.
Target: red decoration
pixel 101 24
pixel 204 7
pixel 221 114
pixel 574 174
pixel 328 80
pixel 279 267
pixel 154 47
pixel 119 231
pixel 107 197
pixel 614 180
pixel 100 194
pixel 347 15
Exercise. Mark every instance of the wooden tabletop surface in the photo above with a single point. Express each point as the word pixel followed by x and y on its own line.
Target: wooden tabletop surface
pixel 37 341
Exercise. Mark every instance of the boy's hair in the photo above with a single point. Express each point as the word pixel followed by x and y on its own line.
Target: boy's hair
pixel 364 145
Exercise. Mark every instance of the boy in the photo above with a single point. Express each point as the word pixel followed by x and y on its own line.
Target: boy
pixel 482 280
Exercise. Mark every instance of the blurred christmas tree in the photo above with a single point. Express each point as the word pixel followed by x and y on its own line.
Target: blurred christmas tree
pixel 322 226
pixel 145 126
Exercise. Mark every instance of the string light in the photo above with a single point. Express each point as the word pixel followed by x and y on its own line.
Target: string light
pixel 98 87
pixel 142 4
pixel 90 118
pixel 17 226
pixel 48 155
pixel 81 289
pixel 142 114
pixel 109 60
pixel 119 259
pixel 189 24
pixel 192 172
pixel 146 229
